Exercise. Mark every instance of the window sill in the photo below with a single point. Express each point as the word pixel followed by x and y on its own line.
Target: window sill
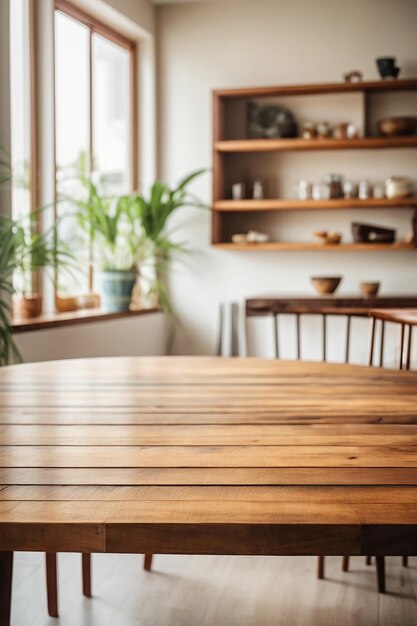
pixel 86 316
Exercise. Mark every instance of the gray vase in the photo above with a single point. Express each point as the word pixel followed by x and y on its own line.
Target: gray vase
pixel 115 288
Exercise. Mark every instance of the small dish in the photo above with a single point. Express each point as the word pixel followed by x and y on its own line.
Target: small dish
pixel 369 289
pixel 326 284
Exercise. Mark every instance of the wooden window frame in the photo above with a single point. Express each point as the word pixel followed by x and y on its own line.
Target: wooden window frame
pixel 95 26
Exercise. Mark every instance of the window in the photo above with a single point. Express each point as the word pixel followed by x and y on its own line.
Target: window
pixel 22 145
pixel 95 123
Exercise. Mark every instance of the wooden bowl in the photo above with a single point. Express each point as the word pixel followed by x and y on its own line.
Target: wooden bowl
pixel 369 289
pixel 397 126
pixel 326 284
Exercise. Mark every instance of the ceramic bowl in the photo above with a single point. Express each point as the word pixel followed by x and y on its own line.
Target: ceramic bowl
pixel 326 284
pixel 397 126
pixel 369 288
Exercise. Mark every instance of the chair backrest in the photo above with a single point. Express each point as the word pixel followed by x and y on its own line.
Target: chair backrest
pixel 228 329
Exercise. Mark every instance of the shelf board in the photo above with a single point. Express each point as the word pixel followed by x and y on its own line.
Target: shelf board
pixel 299 144
pixel 299 246
pixel 312 205
pixel 406 84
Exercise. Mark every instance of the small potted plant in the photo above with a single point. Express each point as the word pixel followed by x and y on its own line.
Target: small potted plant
pixel 33 252
pixel 117 243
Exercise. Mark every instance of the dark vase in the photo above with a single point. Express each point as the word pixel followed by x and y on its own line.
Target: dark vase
pixel 387 67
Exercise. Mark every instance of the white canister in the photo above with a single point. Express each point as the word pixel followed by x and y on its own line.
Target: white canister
pixel 398 187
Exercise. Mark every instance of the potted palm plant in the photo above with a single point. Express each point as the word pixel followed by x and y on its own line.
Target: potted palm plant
pixel 153 211
pixel 117 243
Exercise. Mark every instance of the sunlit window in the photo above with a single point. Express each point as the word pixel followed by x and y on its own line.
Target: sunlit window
pixel 93 113
pixel 20 108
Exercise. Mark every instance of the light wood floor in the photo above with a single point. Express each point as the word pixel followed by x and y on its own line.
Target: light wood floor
pixel 221 591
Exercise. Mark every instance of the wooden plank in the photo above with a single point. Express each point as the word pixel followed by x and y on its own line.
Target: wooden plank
pixel 236 539
pixel 296 246
pixel 285 204
pixel 221 435
pixel 373 86
pixel 299 144
pixel 210 476
pixel 318 494
pixel 209 456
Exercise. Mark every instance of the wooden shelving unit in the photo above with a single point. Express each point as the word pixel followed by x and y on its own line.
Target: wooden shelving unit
pixel 290 246
pixel 223 145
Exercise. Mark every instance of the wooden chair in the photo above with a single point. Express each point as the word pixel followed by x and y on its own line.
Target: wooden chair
pixel 380 560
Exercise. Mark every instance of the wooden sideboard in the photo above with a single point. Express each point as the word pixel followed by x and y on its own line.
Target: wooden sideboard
pixel 325 305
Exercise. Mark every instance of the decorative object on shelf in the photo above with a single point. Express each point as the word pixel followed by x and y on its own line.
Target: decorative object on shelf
pixel 378 191
pixel 350 189
pixel 325 285
pixel 344 130
pixel 365 190
pixel 324 237
pixel 258 190
pixel 324 130
pixel 27 305
pixel 320 191
pixel 367 233
pixel 387 67
pixel 89 301
pixel 334 183
pixel 303 190
pixel 354 76
pixel 369 288
pixel 238 191
pixel 270 121
pixel 309 130
pixel 397 126
pixel 253 236
pixel 398 187
pixel 64 304
pixel 410 237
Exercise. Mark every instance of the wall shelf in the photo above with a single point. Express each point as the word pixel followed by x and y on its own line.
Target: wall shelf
pixel 292 246
pixel 313 205
pixel 298 144
pixel 236 157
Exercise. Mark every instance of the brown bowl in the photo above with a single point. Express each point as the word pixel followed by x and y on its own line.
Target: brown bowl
pixel 326 284
pixel 369 289
pixel 397 126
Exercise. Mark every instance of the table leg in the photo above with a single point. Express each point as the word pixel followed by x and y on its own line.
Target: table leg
pixel 86 572
pixel 6 572
pixel 51 583
pixel 380 573
pixel 320 567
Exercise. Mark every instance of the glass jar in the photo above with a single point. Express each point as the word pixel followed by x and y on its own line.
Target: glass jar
pixel 335 185
pixel 303 190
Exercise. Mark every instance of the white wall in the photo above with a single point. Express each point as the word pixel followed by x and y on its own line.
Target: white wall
pixel 211 45
pixel 135 336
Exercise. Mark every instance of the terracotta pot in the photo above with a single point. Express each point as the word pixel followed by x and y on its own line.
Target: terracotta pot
pixel 25 306
pixel 64 304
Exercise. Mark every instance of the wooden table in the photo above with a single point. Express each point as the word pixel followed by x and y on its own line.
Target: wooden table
pixel 403 317
pixel 206 456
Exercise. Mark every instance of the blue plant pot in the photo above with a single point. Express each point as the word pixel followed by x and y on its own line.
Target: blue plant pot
pixel 115 288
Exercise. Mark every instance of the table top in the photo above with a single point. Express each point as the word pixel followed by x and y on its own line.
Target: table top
pixel 204 455
pixel 399 316
pixel 332 304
